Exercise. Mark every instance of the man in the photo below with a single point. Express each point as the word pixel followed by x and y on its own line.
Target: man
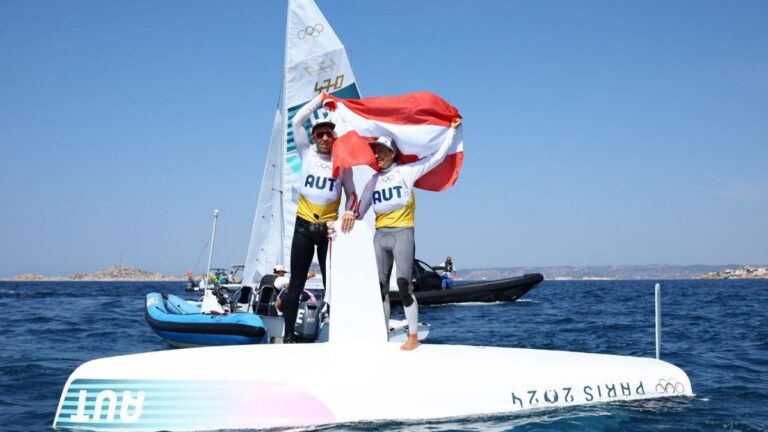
pixel 269 286
pixel 277 280
pixel 283 291
pixel 319 200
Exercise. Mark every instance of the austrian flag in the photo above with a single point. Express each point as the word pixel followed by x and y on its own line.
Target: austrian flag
pixel 417 121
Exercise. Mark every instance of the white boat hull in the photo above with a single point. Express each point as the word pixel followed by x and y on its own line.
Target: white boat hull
pixel 169 390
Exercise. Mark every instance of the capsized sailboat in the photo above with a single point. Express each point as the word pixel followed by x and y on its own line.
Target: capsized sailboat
pixel 165 390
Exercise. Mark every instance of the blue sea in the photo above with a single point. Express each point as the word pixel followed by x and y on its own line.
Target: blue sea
pixel 715 330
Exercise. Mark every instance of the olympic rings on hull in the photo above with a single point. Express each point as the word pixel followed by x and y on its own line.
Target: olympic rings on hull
pixel 310 32
pixel 671 386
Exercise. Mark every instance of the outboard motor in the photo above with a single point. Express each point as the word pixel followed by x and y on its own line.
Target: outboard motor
pixel 211 303
pixel 222 295
pixel 307 321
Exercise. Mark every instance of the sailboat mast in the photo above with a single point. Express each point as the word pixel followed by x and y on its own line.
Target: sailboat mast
pixel 281 192
pixel 283 148
pixel 213 239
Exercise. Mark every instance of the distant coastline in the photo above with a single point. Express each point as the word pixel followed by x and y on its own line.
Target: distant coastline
pixel 622 272
pixel 113 273
pixel 625 272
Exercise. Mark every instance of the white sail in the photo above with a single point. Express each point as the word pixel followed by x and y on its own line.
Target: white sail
pixel 315 59
pixel 315 62
pixel 265 248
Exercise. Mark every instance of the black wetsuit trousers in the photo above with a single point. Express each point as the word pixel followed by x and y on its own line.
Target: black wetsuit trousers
pixel 306 236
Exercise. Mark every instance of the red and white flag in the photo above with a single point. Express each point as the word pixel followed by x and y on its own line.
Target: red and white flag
pixel 417 121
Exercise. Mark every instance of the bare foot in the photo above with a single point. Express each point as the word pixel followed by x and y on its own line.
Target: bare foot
pixel 412 342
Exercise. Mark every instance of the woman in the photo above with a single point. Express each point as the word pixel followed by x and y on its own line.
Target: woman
pixel 390 192
pixel 319 200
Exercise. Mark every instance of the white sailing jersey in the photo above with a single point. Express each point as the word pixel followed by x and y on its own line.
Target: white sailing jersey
pixel 390 192
pixel 320 193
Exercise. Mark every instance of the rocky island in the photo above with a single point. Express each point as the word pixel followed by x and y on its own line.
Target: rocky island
pixel 109 274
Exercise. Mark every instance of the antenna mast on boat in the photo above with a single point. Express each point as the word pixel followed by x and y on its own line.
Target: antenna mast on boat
pixel 657 290
pixel 213 238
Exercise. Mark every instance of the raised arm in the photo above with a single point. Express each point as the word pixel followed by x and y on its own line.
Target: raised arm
pixel 423 166
pixel 299 133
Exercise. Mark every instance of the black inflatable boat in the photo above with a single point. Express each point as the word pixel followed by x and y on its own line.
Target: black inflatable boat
pixel 428 288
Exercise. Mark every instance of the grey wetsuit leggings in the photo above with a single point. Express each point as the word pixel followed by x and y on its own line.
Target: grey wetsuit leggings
pixel 395 245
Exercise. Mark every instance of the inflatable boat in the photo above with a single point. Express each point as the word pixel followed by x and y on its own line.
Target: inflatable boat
pixel 428 288
pixel 182 324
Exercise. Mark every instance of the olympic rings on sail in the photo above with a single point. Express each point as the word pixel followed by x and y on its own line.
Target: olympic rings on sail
pixel 311 31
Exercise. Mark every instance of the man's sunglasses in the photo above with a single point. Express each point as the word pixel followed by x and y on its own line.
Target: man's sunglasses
pixel 323 134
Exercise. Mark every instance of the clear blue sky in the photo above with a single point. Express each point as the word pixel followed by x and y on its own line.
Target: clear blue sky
pixel 596 132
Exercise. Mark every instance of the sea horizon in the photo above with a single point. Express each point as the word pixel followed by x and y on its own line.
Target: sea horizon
pixel 124 273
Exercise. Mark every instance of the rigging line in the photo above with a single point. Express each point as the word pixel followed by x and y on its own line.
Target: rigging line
pixel 194 268
pixel 280 94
